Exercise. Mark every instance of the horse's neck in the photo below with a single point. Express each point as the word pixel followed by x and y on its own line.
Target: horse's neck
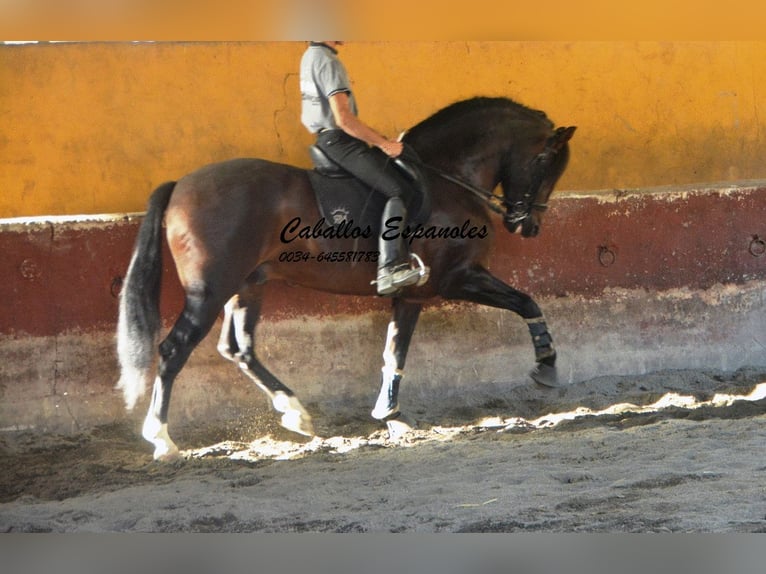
pixel 479 166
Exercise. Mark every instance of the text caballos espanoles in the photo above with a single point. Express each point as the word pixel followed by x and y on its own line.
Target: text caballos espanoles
pixel 392 229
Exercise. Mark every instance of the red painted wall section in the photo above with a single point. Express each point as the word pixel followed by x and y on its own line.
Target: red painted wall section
pixel 62 275
pixel 693 237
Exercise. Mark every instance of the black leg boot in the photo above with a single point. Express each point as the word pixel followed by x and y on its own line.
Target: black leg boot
pixel 394 269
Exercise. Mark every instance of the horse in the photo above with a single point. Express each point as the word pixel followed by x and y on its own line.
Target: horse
pixel 226 225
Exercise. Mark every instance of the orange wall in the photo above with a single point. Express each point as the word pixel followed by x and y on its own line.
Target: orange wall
pixel 92 128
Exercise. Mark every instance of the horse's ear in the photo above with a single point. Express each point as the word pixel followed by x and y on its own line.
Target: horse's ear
pixel 562 136
pixel 567 133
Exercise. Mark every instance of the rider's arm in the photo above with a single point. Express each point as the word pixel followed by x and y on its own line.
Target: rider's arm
pixel 353 126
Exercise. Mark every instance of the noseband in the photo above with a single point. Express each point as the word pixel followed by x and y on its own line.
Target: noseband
pixel 515 212
pixel 519 211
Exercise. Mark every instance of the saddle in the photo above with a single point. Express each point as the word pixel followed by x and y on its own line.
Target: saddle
pixel 342 198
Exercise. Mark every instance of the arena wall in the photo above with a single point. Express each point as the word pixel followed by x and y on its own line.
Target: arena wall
pixel 92 128
pixel 630 282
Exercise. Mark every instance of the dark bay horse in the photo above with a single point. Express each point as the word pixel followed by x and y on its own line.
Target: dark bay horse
pixel 225 226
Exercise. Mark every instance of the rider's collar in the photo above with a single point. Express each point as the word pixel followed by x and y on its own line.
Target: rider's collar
pixel 323 45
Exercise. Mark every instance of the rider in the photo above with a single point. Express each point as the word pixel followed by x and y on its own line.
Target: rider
pixel 329 110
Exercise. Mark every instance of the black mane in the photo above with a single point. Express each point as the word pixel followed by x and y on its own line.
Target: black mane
pixel 463 124
pixel 462 108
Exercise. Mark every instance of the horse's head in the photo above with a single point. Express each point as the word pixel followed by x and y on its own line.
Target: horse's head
pixel 526 198
pixel 485 141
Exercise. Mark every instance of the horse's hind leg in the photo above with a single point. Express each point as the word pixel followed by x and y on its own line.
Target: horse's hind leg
pixel 400 329
pixel 199 314
pixel 237 343
pixel 227 342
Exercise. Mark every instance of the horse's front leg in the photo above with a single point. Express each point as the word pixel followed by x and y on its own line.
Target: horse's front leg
pixel 478 285
pixel 400 329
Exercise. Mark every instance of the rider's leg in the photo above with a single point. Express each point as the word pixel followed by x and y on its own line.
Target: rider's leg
pixel 376 170
pixel 394 270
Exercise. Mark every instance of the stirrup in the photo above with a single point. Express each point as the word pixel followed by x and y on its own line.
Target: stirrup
pixel 424 272
pixel 389 280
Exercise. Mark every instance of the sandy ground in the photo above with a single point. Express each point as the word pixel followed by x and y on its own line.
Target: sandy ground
pixel 675 451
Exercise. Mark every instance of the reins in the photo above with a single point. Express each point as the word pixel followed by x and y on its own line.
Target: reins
pixel 487 196
pixel 521 209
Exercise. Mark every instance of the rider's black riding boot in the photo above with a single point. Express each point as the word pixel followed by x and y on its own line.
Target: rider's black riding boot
pixel 394 269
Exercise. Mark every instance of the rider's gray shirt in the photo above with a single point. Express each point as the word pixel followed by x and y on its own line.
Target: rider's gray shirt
pixel 322 75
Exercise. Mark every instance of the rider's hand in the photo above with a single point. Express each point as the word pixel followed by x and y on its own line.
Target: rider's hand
pixel 391 148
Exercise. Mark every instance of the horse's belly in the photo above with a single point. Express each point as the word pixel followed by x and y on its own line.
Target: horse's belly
pixel 344 272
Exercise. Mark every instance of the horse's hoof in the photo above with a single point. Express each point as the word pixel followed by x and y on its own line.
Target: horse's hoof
pixel 400 427
pixel 299 422
pixel 545 375
pixel 167 454
pixel 166 451
pixel 295 417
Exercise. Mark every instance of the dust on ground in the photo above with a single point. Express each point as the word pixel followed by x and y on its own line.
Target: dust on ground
pixel 674 451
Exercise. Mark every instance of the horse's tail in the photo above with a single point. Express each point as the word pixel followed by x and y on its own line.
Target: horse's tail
pixel 139 321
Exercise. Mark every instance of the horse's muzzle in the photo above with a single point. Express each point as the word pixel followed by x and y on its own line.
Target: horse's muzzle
pixel 511 226
pixel 530 226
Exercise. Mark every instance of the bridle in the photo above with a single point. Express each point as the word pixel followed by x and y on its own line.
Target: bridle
pixel 522 209
pixel 515 212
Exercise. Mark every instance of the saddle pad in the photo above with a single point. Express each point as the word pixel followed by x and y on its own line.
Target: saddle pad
pixel 347 200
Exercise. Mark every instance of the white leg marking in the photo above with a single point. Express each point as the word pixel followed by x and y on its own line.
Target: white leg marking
pixel 157 433
pixel 294 417
pixel 383 408
pixel 389 356
pixel 223 346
